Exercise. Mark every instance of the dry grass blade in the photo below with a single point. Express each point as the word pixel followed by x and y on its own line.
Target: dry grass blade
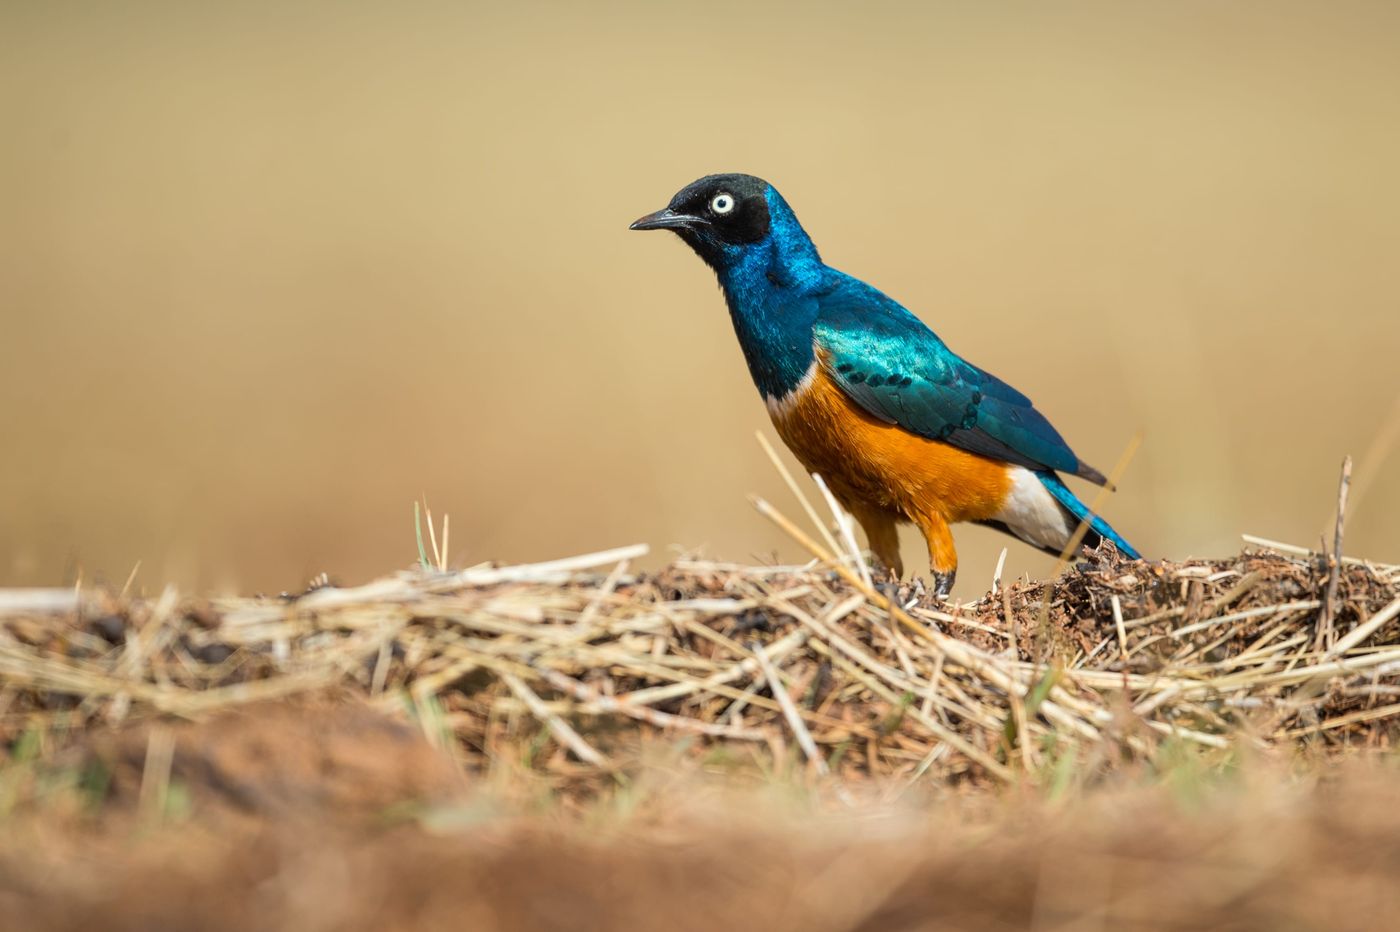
pixel 1325 635
pixel 598 702
pixel 155 774
pixel 38 601
pixel 794 720
pixel 796 490
pixel 557 726
pixel 845 524
pixel 1364 630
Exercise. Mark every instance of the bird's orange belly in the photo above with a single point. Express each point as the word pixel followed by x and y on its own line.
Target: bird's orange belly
pixel 881 465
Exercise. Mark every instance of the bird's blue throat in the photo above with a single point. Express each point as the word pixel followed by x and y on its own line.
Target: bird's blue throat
pixel 771 287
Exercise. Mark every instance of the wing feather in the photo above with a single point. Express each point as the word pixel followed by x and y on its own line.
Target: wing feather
pixel 900 372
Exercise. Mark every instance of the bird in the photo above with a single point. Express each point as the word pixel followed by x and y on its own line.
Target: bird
pixel 864 394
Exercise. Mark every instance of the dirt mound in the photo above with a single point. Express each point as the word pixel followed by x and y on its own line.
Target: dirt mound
pixel 297 760
pixel 575 671
pixel 1260 854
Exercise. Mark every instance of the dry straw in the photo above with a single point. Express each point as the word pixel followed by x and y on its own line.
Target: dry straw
pixel 585 659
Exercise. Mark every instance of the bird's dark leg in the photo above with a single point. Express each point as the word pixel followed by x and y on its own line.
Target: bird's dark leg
pixel 943 583
pixel 883 534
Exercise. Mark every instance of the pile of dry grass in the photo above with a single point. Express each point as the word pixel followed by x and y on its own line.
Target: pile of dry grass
pixel 582 659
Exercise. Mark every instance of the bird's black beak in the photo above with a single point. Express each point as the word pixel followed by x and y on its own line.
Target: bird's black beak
pixel 666 219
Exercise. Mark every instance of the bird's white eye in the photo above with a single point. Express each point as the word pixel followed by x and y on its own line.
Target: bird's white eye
pixel 722 204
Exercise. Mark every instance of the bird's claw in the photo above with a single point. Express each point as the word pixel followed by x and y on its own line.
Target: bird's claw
pixel 889 588
pixel 884 579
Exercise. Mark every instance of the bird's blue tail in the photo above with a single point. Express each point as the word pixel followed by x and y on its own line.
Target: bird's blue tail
pixel 1098 527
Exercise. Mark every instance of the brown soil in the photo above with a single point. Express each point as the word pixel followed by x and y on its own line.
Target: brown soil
pixel 298 821
pixel 305 760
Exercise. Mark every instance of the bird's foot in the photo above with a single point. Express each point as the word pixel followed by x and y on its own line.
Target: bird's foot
pixel 887 584
pixel 943 584
pixel 890 590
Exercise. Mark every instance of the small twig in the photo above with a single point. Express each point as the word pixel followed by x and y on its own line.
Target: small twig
pixel 1341 721
pixel 131 578
pixel 1296 551
pixel 843 523
pixel 1013 624
pixel 39 602
pixel 418 535
pixel 381 663
pixel 590 611
pixel 553 571
pixel 432 534
pixel 1364 630
pixel 737 707
pixel 996 573
pixel 155 775
pixel 446 528
pixel 561 730
pixel 1122 632
pixel 1325 624
pixel 796 490
pixel 595 699
pixel 794 719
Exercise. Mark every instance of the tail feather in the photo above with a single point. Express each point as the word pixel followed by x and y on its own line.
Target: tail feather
pixel 1093 475
pixel 1098 527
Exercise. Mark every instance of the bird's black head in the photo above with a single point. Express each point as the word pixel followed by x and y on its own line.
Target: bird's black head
pixel 718 216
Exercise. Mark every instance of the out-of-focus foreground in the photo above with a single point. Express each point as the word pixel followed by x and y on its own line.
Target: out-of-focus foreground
pixel 335 818
pixel 270 271
pixel 1260 850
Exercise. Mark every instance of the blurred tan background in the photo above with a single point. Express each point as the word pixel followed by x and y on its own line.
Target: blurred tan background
pixel 269 272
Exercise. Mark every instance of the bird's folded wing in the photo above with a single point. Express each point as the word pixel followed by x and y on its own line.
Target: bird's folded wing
pixel 900 372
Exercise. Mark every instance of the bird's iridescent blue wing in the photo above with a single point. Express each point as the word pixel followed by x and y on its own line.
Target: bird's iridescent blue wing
pixel 900 372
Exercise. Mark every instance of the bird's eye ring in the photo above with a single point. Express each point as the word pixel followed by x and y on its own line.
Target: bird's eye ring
pixel 723 203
